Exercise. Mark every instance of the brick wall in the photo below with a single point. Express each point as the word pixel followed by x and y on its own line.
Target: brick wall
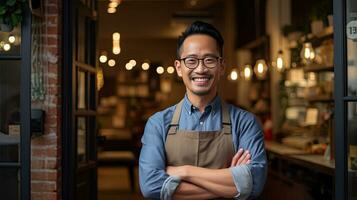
pixel 46 150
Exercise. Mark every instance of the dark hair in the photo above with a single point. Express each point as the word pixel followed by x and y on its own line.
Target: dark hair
pixel 199 27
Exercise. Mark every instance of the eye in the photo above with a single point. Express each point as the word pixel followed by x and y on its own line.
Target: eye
pixel 190 60
pixel 210 60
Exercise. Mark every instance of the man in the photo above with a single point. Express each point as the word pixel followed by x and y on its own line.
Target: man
pixel 202 148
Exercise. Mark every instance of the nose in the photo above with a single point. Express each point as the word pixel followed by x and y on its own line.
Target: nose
pixel 201 66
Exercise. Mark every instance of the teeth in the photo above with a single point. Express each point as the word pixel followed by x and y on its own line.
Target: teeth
pixel 201 79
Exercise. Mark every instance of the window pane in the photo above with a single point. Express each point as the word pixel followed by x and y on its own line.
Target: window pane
pixel 9 127
pixel 10 42
pixel 351 31
pixel 81 138
pixel 81 90
pixel 352 140
pixel 10 111
pixel 10 183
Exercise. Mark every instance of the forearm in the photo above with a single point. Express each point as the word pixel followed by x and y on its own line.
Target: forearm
pixel 189 191
pixel 217 181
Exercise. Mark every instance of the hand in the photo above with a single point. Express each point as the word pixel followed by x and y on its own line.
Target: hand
pixel 180 171
pixel 240 158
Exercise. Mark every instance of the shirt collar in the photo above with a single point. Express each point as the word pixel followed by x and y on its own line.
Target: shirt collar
pixel 214 106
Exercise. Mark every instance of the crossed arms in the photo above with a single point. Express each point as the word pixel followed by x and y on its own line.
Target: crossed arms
pixel 203 183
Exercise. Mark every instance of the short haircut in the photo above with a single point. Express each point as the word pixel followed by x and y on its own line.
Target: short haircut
pixel 199 27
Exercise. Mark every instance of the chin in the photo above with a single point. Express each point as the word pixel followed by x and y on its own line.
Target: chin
pixel 201 92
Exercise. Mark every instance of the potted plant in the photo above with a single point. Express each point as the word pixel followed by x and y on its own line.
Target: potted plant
pixel 10 14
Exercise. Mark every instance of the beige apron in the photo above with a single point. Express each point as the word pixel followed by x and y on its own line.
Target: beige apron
pixel 208 149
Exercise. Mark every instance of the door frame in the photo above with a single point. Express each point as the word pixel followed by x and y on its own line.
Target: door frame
pixel 24 163
pixel 341 99
pixel 70 112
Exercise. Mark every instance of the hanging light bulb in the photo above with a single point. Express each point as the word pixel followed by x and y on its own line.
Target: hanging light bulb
pixel 233 74
pixel 128 66
pixel 307 53
pixel 260 69
pixel 116 43
pixel 132 62
pixel 145 66
pixel 111 10
pixel 170 69
pixel 160 70
pixel 247 72
pixel 111 63
pixel 103 57
pixel 280 61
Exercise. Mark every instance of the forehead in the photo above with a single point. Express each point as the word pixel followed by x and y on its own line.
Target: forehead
pixel 199 44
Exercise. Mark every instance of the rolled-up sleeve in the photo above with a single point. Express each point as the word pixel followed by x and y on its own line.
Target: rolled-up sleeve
pixel 154 181
pixel 251 138
pixel 243 181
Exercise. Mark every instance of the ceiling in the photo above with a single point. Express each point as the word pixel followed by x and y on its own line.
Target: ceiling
pixel 148 29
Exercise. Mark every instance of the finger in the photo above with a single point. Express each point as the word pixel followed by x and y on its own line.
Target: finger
pixel 248 162
pixel 241 159
pixel 236 157
pixel 246 159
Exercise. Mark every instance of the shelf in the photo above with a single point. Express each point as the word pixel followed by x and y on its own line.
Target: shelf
pixel 320 98
pixel 132 83
pixel 318 68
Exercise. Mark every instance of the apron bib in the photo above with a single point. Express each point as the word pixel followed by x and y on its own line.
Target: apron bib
pixel 208 149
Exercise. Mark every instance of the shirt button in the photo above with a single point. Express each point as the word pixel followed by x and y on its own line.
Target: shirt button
pixel 201 123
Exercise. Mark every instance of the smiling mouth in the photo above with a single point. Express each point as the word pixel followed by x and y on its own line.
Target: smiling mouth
pixel 201 79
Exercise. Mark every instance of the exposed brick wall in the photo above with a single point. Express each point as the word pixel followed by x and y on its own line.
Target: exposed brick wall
pixel 46 150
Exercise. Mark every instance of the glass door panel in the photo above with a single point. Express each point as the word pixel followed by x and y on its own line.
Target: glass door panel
pixel 351 34
pixel 10 132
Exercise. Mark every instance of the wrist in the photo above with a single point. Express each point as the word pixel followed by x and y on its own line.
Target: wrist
pixel 188 172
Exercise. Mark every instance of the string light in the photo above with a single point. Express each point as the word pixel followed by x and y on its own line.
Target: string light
pixel 111 63
pixel 170 69
pixel 145 66
pixel 160 70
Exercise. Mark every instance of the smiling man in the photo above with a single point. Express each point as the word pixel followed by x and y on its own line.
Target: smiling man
pixel 202 148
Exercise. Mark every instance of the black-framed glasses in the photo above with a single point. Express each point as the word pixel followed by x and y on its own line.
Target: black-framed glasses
pixel 208 61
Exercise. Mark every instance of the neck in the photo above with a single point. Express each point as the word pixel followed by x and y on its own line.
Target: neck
pixel 201 101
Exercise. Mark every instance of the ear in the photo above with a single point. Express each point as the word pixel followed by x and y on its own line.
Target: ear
pixel 178 68
pixel 223 67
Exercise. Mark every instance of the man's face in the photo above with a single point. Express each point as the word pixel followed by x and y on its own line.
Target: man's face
pixel 200 81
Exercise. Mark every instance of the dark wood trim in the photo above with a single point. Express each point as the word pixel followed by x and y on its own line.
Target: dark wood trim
pixel 85 113
pixel 68 138
pixel 10 57
pixel 25 105
pixel 86 67
pixel 339 13
pixel 10 165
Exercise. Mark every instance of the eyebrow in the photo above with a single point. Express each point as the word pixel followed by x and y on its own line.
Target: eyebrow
pixel 205 55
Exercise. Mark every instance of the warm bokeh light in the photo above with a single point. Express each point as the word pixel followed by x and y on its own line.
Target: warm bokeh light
pixel 170 69
pixel 160 70
pixel 111 10
pixel 7 47
pixel 260 69
pixel 12 39
pixel 103 58
pixel 145 66
pixel 132 62
pixel 128 66
pixel 247 72
pixel 233 75
pixel 111 63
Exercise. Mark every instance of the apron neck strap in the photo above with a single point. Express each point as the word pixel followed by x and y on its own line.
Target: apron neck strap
pixel 226 119
pixel 175 119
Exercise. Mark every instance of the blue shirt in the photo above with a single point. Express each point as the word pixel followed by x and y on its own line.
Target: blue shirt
pixel 247 134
